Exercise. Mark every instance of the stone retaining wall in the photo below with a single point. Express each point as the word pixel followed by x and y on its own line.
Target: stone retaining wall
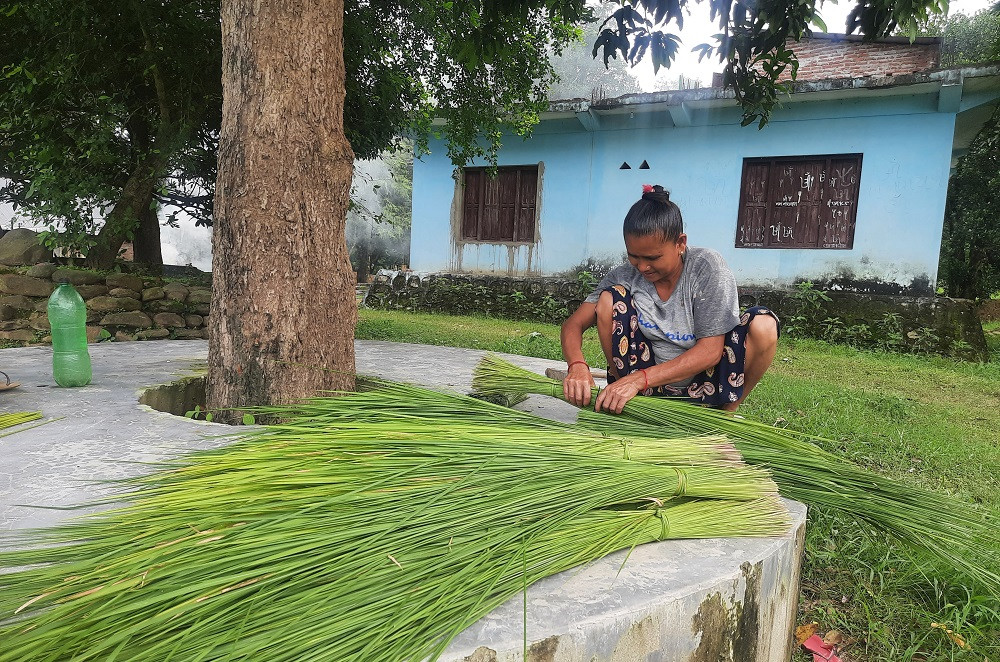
pixel 119 305
pixel 923 325
pixel 543 299
pixel 132 307
pixel 929 325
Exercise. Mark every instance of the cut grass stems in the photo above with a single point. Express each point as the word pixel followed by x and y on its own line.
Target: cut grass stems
pixel 949 531
pixel 343 534
pixel 17 418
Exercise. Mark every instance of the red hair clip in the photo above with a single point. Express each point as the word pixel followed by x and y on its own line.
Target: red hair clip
pixel 647 188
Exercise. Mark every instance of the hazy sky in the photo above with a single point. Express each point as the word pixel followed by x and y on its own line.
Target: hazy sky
pixel 698 29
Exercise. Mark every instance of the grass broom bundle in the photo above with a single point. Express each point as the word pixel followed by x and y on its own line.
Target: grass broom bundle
pixel 16 418
pixel 949 530
pixel 345 542
pixel 474 419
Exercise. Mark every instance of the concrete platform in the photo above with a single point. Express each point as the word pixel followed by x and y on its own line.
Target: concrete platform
pixel 728 600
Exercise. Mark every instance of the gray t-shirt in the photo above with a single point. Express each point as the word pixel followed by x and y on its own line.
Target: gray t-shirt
pixel 704 303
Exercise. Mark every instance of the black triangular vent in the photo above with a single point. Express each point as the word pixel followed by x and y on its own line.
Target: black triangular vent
pixel 625 166
pixel 644 166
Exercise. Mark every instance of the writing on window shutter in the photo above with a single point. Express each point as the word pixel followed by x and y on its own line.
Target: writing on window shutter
pixel 840 210
pixel 751 224
pixel 501 208
pixel 799 202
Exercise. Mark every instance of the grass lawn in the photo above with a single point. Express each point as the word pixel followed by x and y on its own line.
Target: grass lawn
pixel 929 420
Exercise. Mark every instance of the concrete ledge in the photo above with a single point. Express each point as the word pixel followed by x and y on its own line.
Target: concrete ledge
pixel 720 600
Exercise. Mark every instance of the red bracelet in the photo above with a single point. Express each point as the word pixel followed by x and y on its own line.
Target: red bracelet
pixel 643 371
pixel 573 363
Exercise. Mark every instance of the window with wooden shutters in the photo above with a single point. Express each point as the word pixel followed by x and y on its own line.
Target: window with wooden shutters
pixel 799 202
pixel 500 209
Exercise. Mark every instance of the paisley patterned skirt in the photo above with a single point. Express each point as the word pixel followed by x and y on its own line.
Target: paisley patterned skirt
pixel 632 351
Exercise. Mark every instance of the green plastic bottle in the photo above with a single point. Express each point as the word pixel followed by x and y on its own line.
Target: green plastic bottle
pixel 68 319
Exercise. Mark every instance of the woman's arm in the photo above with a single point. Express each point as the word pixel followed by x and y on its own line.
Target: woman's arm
pixel 579 382
pixel 705 354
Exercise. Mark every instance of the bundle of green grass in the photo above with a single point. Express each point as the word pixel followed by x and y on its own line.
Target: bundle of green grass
pixel 939 531
pixel 18 417
pixel 374 526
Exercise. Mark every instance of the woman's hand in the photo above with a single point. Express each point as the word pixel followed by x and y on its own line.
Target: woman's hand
pixel 578 384
pixel 614 396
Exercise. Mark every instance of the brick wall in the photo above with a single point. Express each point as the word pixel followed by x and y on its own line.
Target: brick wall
pixel 842 56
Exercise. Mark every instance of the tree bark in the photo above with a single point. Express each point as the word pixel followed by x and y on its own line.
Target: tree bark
pixel 283 307
pixel 146 248
pixel 122 222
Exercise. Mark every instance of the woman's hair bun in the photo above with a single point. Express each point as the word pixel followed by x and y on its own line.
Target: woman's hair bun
pixel 655 192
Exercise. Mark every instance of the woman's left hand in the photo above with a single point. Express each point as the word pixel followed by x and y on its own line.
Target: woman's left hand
pixel 613 397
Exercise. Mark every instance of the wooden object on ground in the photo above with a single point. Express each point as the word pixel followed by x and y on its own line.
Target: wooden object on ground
pixel 560 373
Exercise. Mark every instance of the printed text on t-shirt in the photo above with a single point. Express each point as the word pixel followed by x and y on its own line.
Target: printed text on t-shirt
pixel 670 335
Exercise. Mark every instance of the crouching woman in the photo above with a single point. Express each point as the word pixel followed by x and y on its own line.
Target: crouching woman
pixel 668 321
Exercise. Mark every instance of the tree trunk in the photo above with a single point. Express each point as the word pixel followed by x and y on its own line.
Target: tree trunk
pixel 364 259
pixel 146 248
pixel 122 222
pixel 283 307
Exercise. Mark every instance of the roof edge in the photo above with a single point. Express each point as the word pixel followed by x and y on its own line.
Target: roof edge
pixel 951 75
pixel 836 36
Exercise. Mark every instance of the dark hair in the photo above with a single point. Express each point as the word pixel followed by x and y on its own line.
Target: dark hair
pixel 654 214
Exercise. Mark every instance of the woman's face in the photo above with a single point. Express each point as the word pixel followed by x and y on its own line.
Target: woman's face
pixel 654 257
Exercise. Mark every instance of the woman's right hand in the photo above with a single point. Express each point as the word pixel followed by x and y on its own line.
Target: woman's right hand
pixel 578 384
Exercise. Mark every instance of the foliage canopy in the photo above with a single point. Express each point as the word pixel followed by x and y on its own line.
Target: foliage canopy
pixel 970 242
pixel 103 101
pixel 116 105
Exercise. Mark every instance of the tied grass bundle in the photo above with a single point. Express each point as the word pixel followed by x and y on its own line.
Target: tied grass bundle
pixel 947 529
pixel 345 534
pixel 17 418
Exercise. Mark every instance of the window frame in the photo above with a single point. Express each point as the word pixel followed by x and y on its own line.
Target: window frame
pixel 518 236
pixel 771 201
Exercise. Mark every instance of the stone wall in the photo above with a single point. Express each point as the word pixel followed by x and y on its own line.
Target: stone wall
pixel 119 305
pixel 923 325
pixel 543 299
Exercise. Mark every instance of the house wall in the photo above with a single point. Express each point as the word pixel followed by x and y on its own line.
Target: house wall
pixel 906 147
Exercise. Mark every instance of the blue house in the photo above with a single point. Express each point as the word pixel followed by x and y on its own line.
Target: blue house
pixel 846 186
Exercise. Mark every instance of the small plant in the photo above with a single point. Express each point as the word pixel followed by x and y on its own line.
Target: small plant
pixel 924 340
pixel 587 281
pixel 198 411
pixel 959 347
pixel 809 297
pixel 858 335
pixel 807 305
pixel 832 329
